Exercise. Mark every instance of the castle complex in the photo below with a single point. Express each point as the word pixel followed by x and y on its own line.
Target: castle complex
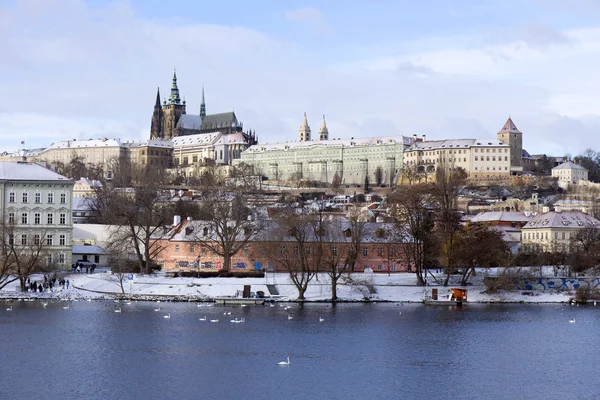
pixel 170 120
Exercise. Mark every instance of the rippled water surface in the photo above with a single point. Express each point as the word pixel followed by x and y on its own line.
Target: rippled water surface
pixel 359 351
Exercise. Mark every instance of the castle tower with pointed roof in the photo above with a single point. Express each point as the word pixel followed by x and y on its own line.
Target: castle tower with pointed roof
pixel 509 134
pixel 156 126
pixel 172 111
pixel 304 133
pixel 323 132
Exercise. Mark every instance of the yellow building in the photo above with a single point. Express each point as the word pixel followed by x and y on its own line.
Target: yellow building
pixel 554 231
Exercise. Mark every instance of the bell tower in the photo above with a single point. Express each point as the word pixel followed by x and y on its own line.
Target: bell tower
pixel 172 110
pixel 510 135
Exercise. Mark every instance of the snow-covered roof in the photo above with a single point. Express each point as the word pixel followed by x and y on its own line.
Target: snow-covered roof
pixel 191 230
pixel 89 182
pixel 455 144
pixel 504 216
pixel 24 171
pixel 201 139
pixel 151 143
pixel 562 219
pixel 85 143
pixel 232 138
pixel 569 165
pixel 359 142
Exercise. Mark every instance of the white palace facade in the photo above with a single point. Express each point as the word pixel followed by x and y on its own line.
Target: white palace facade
pixel 351 159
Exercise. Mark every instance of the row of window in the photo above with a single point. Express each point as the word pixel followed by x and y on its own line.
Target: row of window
pixel 37 240
pixel 540 235
pixel 487 158
pixel 37 218
pixel 37 198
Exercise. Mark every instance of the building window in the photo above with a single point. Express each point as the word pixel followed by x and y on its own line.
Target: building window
pixel 191 248
pixel 61 258
pixel 176 248
pixel 11 197
pixel 49 240
pixel 365 251
pixel 380 251
pixel 63 219
pixel 62 240
pixel 24 218
pixel 50 198
pixel 36 218
pixel 334 251
pixel 194 159
pixel 25 197
pixel 38 198
pixel 49 259
pixel 63 198
pixel 11 239
pixel 11 218
pixel 36 239
pixel 50 218
pixel 24 240
pixel 282 250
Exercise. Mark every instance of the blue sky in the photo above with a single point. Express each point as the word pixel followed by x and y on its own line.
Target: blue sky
pixel 444 68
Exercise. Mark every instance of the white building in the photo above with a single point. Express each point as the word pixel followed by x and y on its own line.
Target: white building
pixel 479 158
pixel 351 159
pixel 569 172
pixel 36 204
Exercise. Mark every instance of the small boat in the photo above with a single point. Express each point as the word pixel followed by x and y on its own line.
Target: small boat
pixel 455 297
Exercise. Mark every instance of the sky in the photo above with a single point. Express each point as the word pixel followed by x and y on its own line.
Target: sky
pixel 77 69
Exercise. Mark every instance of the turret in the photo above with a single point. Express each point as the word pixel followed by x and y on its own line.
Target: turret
pixel 304 133
pixel 323 132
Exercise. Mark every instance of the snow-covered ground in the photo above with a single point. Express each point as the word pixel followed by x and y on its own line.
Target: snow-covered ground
pixel 399 287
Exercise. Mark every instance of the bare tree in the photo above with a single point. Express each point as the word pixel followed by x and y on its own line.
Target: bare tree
pixel 378 176
pixel 136 213
pixel 448 183
pixel 297 247
pixel 341 241
pixel 411 208
pixel 336 183
pixel 230 223
pixel 23 253
pixel 478 246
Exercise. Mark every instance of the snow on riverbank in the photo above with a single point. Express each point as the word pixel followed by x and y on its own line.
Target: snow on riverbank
pixel 399 287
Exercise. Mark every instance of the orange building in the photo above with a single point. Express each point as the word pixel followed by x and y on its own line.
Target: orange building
pixel 181 250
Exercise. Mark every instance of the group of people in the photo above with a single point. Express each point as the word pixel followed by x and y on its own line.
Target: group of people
pixel 47 285
pixel 78 267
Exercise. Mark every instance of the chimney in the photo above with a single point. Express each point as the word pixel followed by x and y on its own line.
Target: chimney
pixel 176 220
pixel 424 137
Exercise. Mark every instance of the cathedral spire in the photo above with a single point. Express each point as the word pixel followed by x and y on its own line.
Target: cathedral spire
pixel 157 104
pixel 202 105
pixel 174 97
pixel 304 133
pixel 323 132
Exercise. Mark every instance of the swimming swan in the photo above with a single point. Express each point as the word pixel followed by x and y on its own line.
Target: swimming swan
pixel 285 362
pixel 572 321
pixel 168 316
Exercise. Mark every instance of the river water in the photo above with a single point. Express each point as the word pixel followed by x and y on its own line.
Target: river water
pixel 359 351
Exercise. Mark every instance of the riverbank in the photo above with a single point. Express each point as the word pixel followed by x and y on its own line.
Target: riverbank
pixel 359 287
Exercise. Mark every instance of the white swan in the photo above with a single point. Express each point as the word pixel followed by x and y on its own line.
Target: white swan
pixel 202 319
pixel 66 307
pixel 168 316
pixel 290 317
pixel 572 321
pixel 45 304
pixel 9 308
pixel 118 310
pixel 157 309
pixel 214 320
pixel 285 362
pixel 321 319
